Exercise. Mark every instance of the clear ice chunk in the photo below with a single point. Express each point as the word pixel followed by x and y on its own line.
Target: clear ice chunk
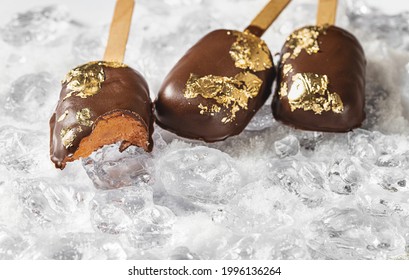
pixel 272 192
pixel 262 119
pixel 152 227
pixel 344 177
pixel 108 168
pixel 113 211
pixel 290 245
pixel 200 174
pixel 350 234
pixel 37 26
pixel 45 204
pixel 20 150
pixel 288 146
pixel 361 144
pixel 301 178
pixel 29 98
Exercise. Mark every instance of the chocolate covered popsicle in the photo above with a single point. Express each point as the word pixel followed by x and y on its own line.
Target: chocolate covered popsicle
pixel 321 77
pixel 220 83
pixel 102 102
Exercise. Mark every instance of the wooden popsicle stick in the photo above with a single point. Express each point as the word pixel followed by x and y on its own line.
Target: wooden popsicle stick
pixel 327 12
pixel 119 31
pixel 267 16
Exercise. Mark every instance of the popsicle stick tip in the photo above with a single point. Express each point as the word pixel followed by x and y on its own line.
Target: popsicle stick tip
pixel 267 16
pixel 327 12
pixel 119 31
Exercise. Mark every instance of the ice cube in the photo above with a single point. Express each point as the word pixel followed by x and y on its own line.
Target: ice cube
pixel 301 178
pixel 108 168
pixel 288 146
pixel 200 174
pixel 392 180
pixel 290 245
pixel 344 177
pixel 46 204
pixel 152 227
pixel 113 211
pixel 262 119
pixel 243 249
pixel 272 192
pixel 29 98
pixel 38 25
pixel 350 234
pixel 340 234
pixel 361 144
pixel 378 201
pixel 20 150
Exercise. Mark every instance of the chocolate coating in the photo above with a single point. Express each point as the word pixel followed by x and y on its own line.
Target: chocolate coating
pixel 124 92
pixel 209 56
pixel 342 60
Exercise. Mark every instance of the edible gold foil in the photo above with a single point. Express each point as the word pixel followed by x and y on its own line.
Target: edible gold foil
pixel 305 39
pixel 287 68
pixel 112 64
pixel 285 57
pixel 86 80
pixel 205 109
pixel 232 94
pixel 68 136
pixel 250 52
pixel 310 91
pixel 283 89
pixel 62 117
pixel 84 117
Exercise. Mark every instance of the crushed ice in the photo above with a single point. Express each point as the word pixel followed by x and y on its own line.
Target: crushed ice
pixel 271 192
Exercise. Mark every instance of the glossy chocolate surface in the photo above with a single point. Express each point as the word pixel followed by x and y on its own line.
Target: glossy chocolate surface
pixel 209 56
pixel 340 65
pixel 123 90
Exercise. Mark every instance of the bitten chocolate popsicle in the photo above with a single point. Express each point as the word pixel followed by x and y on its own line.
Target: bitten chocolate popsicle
pixel 321 77
pixel 102 102
pixel 220 83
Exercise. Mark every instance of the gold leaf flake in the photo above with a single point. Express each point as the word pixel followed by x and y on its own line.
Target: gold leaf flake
pixel 283 89
pixel 112 64
pixel 204 109
pixel 310 91
pixel 305 39
pixel 86 80
pixel 285 57
pixel 287 68
pixel 232 94
pixel 250 52
pixel 68 136
pixel 84 117
pixel 62 117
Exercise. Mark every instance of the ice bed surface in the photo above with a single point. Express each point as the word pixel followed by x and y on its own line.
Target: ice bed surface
pixel 272 192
